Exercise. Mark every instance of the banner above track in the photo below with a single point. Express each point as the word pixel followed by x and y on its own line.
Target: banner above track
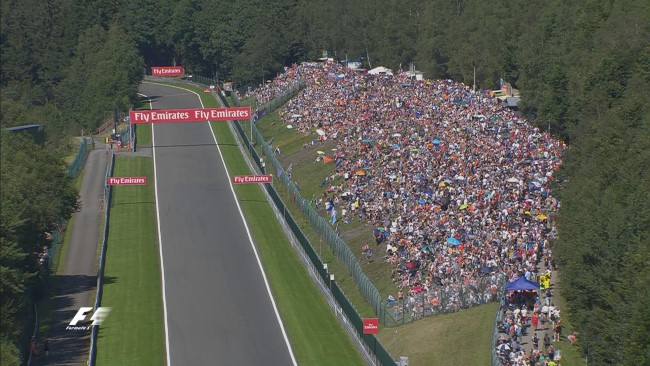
pixel 190 115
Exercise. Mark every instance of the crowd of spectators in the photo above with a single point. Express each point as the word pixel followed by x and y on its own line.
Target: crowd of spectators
pixel 281 85
pixel 531 325
pixel 454 183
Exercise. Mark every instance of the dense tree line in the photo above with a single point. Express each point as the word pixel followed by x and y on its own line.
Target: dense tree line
pixel 67 65
pixel 583 68
pixel 36 192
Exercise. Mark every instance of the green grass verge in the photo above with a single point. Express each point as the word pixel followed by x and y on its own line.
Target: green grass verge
pixel 143 132
pixel 461 338
pixel 132 334
pixel 314 333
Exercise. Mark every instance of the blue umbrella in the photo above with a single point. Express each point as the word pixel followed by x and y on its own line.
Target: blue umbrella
pixel 422 201
pixel 366 140
pixel 453 241
pixel 396 146
pixel 436 141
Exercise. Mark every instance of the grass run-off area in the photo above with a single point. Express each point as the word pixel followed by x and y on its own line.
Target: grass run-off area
pixel 133 333
pixel 461 338
pixel 143 132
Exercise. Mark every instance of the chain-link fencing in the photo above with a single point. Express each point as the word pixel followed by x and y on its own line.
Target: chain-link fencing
pixel 102 258
pixel 56 235
pixel 439 299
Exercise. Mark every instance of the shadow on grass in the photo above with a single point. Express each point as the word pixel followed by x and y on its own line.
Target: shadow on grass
pixel 260 201
pixel 130 203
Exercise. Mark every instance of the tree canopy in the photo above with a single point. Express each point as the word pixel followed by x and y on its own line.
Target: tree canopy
pixel 36 192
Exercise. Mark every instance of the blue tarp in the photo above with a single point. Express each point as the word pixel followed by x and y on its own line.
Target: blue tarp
pixel 522 284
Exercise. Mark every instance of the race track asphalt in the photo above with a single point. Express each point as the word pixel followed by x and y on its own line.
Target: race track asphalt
pixel 218 308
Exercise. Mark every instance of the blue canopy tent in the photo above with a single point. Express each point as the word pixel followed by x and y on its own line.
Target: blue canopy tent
pixel 522 284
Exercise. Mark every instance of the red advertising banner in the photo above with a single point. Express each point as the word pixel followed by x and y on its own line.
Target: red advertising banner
pixel 370 325
pixel 190 115
pixel 166 70
pixel 127 181
pixel 251 179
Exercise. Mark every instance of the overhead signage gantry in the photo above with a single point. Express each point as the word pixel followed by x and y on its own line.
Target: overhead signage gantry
pixel 200 115
pixel 190 115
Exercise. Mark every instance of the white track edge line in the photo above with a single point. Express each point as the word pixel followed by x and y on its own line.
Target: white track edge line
pixel 162 265
pixel 250 238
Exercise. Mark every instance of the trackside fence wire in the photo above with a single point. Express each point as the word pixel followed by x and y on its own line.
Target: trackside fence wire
pixel 102 259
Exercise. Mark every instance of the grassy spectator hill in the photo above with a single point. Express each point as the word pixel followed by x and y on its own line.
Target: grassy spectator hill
pixel 583 69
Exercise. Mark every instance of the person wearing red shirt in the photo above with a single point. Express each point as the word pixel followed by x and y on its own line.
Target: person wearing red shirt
pixel 535 320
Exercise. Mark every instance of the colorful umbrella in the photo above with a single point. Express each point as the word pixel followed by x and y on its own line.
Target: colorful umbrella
pixel 541 217
pixel 463 206
pixel 453 241
pixel 320 152
pixel 361 172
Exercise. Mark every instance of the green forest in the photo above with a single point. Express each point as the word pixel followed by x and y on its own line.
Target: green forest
pixel 582 67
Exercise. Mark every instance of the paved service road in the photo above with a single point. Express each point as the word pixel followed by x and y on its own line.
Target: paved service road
pixel 218 308
pixel 76 286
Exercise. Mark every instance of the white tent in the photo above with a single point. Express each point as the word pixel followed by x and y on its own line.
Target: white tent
pixel 380 71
